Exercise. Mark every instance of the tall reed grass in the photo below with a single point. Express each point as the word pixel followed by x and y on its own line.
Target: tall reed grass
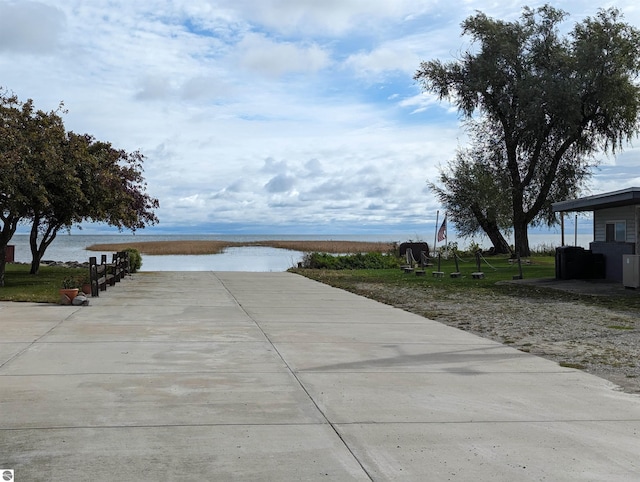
pixel 215 247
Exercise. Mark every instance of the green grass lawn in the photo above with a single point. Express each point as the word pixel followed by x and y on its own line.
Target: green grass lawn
pixel 498 269
pixel 40 288
pixel 494 269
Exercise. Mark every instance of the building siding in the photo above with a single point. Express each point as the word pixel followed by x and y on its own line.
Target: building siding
pixel 602 216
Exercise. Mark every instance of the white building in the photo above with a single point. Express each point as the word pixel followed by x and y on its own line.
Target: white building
pixel 616 225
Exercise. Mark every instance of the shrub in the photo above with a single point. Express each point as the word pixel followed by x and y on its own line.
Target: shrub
pixel 351 261
pixel 70 282
pixel 135 259
pixel 472 249
pixel 544 250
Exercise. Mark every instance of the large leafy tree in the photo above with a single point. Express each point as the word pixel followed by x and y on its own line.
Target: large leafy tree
pixel 473 186
pixel 25 147
pixel 59 188
pixel 552 101
pixel 55 179
pixel 118 194
pixel 94 182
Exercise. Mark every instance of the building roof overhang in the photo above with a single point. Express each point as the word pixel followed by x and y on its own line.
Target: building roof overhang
pixel 624 197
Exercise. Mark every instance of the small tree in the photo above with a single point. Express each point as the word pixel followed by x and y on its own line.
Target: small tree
pixel 472 190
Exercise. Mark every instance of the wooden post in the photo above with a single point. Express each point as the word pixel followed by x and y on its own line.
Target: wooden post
pixel 519 266
pixel 438 274
pixel 457 272
pixel 478 274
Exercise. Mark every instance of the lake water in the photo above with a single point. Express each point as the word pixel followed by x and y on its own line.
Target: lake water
pixel 251 258
pixel 254 258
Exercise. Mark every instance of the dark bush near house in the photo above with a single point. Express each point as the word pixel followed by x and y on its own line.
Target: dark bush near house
pixel 416 248
pixel 351 261
pixel 135 259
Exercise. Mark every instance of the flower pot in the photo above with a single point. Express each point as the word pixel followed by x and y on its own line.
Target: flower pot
pixel 70 293
pixel 86 288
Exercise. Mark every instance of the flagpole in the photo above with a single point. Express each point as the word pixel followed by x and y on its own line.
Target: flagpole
pixel 435 236
pixel 446 239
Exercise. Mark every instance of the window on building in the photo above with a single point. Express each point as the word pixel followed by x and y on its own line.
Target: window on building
pixel 616 231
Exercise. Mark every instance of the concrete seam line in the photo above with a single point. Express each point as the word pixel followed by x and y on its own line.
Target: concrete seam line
pixel 295 376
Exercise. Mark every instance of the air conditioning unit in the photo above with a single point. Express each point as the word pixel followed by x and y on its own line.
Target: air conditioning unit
pixel 631 270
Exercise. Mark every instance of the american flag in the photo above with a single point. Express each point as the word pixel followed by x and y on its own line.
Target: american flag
pixel 442 232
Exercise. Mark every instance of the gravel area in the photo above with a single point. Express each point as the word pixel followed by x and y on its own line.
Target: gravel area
pixel 598 340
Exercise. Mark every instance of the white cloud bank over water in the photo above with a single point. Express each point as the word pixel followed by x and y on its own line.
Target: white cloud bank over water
pixel 264 116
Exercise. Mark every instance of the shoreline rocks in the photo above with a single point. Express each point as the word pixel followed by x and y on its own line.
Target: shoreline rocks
pixel 62 264
pixel 65 264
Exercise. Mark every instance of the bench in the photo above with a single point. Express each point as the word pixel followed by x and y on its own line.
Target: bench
pixel 410 261
pixel 107 274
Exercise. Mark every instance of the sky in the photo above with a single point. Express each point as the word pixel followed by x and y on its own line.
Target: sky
pixel 266 116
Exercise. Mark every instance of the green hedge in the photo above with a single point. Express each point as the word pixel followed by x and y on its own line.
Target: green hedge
pixel 351 261
pixel 135 259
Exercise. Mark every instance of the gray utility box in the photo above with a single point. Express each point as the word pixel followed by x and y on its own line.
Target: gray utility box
pixel 631 270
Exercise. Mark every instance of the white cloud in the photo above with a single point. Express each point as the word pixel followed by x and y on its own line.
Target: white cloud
pixel 280 183
pixel 326 17
pixel 260 54
pixel 154 88
pixel 204 88
pixel 265 112
pixel 30 27
pixel 271 165
pixel 420 102
pixel 382 60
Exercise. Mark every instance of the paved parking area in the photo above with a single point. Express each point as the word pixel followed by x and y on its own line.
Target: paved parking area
pixel 270 376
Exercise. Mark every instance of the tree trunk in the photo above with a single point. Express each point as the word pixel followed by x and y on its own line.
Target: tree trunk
pixel 521 238
pixel 35 265
pixel 490 227
pixel 33 244
pixel 37 251
pixel 520 220
pixel 9 225
pixel 500 245
pixel 3 264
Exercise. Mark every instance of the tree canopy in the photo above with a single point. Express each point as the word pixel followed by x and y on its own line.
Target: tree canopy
pixel 551 102
pixel 54 179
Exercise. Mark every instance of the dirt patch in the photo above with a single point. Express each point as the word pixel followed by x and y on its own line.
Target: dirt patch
pixel 598 340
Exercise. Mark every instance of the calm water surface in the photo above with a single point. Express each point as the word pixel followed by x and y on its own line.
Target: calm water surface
pixel 252 258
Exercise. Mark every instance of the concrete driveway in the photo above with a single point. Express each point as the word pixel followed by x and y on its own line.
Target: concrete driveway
pixel 202 376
